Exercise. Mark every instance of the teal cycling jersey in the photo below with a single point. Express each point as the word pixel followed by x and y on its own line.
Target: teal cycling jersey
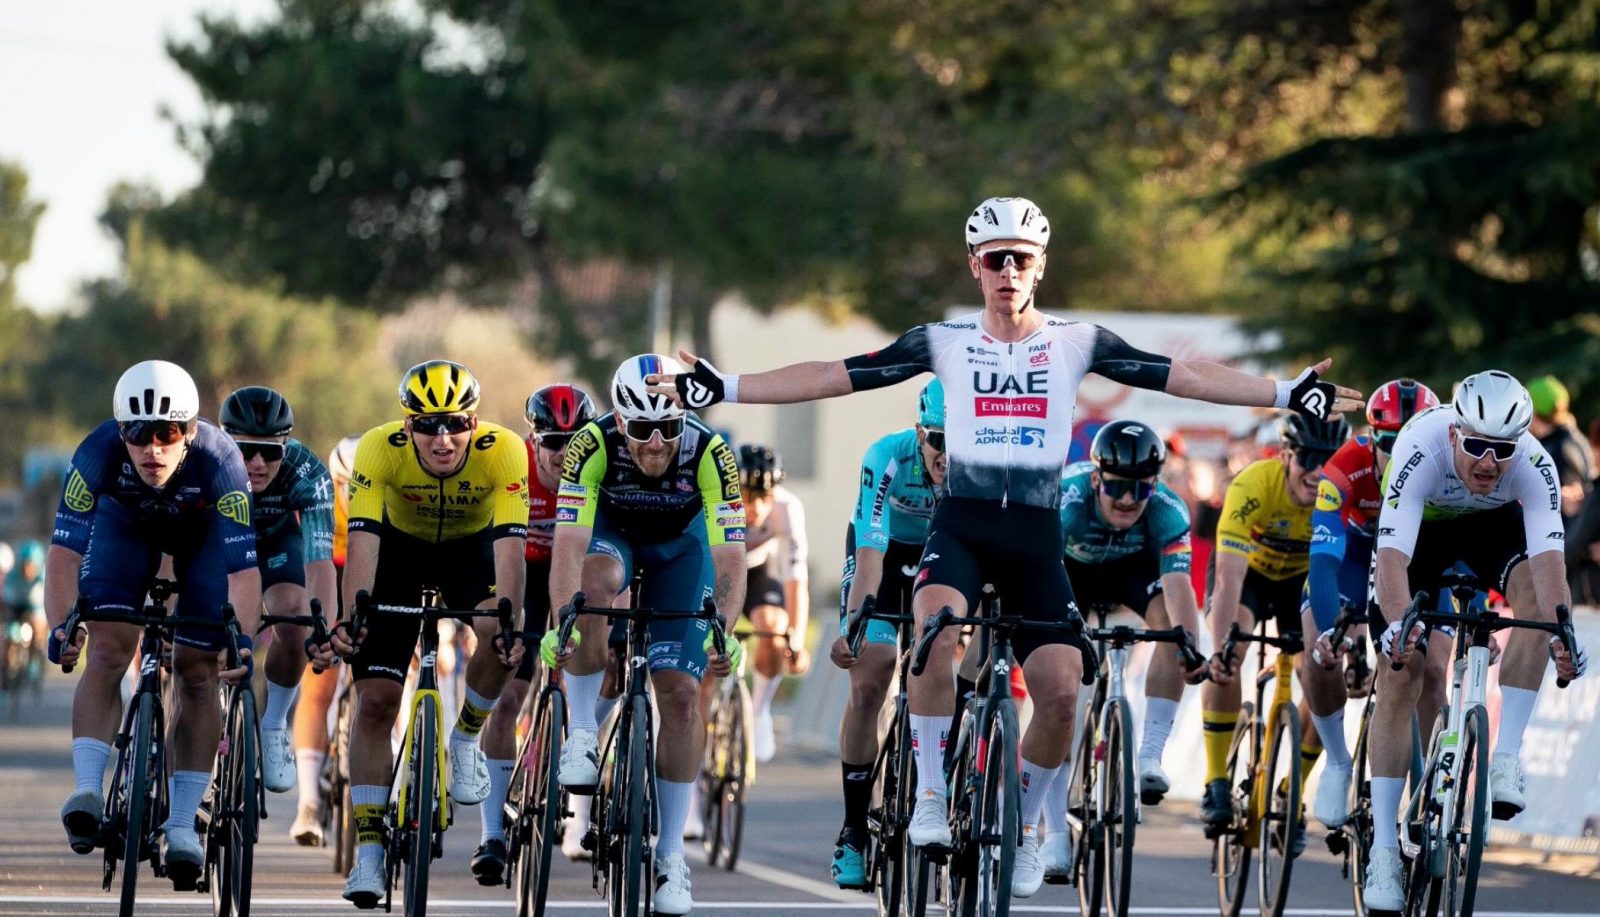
pixel 897 496
pixel 1162 528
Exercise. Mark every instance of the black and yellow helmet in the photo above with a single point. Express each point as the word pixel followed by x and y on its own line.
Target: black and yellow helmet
pixel 439 387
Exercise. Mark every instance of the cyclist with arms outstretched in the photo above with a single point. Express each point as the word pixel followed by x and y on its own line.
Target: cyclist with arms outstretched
pixel 1013 369
pixel 153 480
pixel 1466 483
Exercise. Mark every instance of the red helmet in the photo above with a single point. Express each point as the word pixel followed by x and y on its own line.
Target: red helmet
pixel 1396 402
pixel 559 408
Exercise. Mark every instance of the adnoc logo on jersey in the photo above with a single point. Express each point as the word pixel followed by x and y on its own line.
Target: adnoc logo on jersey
pixel 1011 407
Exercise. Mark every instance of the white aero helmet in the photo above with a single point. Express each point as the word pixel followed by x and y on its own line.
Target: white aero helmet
pixel 1493 404
pixel 633 399
pixel 155 390
pixel 343 457
pixel 1007 218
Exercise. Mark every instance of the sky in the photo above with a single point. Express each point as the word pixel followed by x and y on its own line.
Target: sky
pixel 82 85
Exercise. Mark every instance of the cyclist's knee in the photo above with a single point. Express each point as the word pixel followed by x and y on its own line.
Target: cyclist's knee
pixel 602 579
pixel 771 618
pixel 193 671
pixel 511 698
pixel 869 683
pixel 678 698
pixel 377 704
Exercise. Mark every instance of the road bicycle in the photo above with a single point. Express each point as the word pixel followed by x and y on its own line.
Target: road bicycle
pixel 985 780
pixel 729 768
pixel 1445 817
pixel 897 876
pixel 229 821
pixel 419 810
pixel 338 811
pixel 1264 776
pixel 535 805
pixel 625 814
pixel 136 803
pixel 1103 795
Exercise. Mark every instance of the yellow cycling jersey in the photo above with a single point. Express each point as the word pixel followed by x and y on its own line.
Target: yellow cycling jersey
pixel 1260 522
pixel 490 491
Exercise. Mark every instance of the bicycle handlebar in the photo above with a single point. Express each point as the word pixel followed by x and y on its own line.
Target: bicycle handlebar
pixel 314 620
pixel 1072 627
pixel 855 623
pixel 503 611
pixel 1291 642
pixel 1123 635
pixel 708 612
pixel 153 615
pixel 1485 621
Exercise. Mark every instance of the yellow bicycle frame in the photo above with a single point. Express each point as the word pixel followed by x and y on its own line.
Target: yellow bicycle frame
pixel 443 807
pixel 1282 694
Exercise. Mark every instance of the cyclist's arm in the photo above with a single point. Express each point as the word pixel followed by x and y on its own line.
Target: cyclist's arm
pixel 1234 547
pixel 1410 476
pixel 322 583
pixel 1327 553
pixel 228 487
pixel 582 471
pixel 506 460
pixel 1225 593
pixel 796 591
pixel 360 563
pixel 61 568
pixel 1543 528
pixel 510 574
pixel 717 477
pixel 1181 609
pixel 244 593
pixel 728 561
pixel 867 578
pixel 315 505
pixel 1171 518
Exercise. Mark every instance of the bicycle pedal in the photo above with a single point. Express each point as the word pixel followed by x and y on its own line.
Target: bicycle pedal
pixel 1504 811
pixel 1338 843
pixel 1151 797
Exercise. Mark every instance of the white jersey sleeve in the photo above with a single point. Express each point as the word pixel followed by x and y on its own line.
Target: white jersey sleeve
pixel 1532 479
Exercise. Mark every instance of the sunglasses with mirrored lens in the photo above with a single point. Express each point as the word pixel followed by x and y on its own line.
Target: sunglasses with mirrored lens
pixel 554 442
pixel 1311 459
pixel 1385 441
pixel 269 452
pixel 440 424
pixel 996 260
pixel 1477 446
pixel 1121 488
pixel 145 432
pixel 934 439
pixel 640 431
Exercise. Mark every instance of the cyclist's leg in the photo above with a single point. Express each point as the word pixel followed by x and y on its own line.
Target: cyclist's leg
pixel 471 584
pixel 1494 545
pixel 500 733
pixel 607 569
pixel 764 606
pixel 1220 703
pixel 948 576
pixel 870 677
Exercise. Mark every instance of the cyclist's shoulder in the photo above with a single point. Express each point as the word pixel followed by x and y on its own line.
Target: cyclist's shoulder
pixel 891 447
pixel 497 445
pixel 1167 511
pixel 1076 473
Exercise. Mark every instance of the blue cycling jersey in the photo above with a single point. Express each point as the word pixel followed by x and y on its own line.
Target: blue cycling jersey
pixel 209 489
pixel 1163 527
pixel 897 496
pixel 300 496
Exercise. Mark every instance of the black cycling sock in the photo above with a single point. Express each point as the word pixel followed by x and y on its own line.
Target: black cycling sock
pixel 857 796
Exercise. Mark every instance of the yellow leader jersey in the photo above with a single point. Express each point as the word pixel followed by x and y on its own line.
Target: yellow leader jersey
pixel 490 491
pixel 1260 522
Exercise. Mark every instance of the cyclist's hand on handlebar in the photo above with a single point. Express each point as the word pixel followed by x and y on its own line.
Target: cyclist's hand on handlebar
pixel 723 666
pixel 799 661
pixel 64 652
pixel 1221 673
pixel 343 642
pixel 510 649
pixel 1399 651
pixel 1199 673
pixel 247 663
pixel 1568 667
pixel 1324 653
pixel 840 654
pixel 557 657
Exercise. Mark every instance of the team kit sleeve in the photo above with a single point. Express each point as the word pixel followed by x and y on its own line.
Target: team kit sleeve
pixel 717 475
pixel 1171 531
pixel 1119 361
pixel 369 477
pixel 1407 482
pixel 1535 484
pixel 506 462
pixel 908 356
pixel 313 499
pixel 86 478
pixel 871 518
pixel 229 490
pixel 583 469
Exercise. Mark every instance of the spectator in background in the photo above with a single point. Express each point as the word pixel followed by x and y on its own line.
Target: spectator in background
pixel 1556 430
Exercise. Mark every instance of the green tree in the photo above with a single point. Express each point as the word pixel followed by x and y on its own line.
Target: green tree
pixel 20 329
pixel 19 217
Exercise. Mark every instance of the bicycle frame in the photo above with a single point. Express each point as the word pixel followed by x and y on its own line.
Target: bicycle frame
pixel 1281 675
pixel 427 686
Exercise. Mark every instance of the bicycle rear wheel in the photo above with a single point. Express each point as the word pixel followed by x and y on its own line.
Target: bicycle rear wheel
pixel 540 809
pixel 1467 824
pixel 240 803
pixel 1230 854
pixel 1088 833
pixel 1120 817
pixel 713 770
pixel 1280 818
pixel 882 848
pixel 422 799
pixel 1359 826
pixel 341 811
pixel 916 873
pixel 999 819
pixel 134 769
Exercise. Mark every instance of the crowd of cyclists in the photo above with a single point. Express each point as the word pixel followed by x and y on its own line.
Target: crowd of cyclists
pixel 975 496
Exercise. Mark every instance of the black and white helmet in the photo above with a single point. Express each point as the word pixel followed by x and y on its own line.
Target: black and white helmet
pixel 155 390
pixel 1009 219
pixel 1493 404
pixel 632 398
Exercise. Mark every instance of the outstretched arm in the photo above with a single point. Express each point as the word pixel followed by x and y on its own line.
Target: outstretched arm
pixel 1205 380
pixel 704 385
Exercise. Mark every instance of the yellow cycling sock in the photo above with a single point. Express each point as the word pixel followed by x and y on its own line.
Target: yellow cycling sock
pixel 1308 760
pixel 369 824
pixel 1218 729
pixel 475 710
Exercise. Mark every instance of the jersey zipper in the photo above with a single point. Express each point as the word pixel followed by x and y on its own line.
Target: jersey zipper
pixel 438 534
pixel 1011 370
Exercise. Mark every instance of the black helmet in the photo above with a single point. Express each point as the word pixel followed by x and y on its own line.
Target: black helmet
pixel 256 410
pixel 1129 449
pixel 1301 432
pixel 760 470
pixel 559 408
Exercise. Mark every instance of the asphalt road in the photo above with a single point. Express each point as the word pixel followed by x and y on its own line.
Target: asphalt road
pixel 784 869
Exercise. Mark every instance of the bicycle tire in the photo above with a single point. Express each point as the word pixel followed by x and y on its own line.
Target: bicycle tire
pixel 712 772
pixel 741 773
pixel 1468 822
pixel 543 789
pixel 1121 817
pixel 421 798
pixel 244 808
pixel 998 816
pixel 1420 823
pixel 1280 821
pixel 1088 835
pixel 1359 824
pixel 1230 855
pixel 137 794
pixel 341 807
pixel 881 846
pixel 916 876
pixel 634 901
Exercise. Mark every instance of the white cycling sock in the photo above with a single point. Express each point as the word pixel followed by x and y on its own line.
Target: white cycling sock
pixel 1055 800
pixel 89 757
pixel 1330 729
pixel 1386 792
pixel 765 690
pixel 1159 712
pixel 279 699
pixel 184 792
pixel 580 813
pixel 673 798
pixel 928 735
pixel 377 798
pixel 1036 780
pixel 308 768
pixel 1516 708
pixel 493 808
pixel 583 695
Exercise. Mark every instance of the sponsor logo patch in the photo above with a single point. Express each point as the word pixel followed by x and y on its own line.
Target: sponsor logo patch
pixel 235 505
pixel 77 495
pixel 1010 407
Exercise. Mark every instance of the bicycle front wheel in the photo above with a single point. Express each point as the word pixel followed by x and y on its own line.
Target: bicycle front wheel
pixel 341 811
pixel 635 898
pixel 241 803
pixel 1358 829
pixel 1088 833
pixel 540 808
pixel 1280 818
pixel 135 799
pixel 1230 854
pixel 740 774
pixel 713 771
pixel 1469 816
pixel 999 822
pixel 422 799
pixel 1119 818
